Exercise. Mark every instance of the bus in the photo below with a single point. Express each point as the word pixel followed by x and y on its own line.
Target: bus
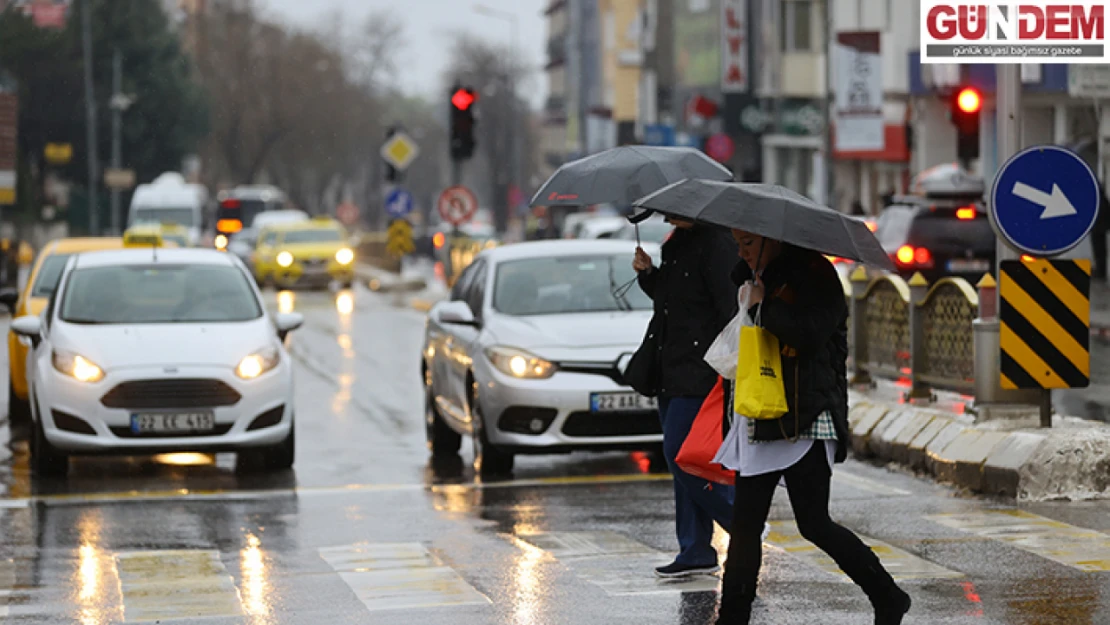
pixel 237 208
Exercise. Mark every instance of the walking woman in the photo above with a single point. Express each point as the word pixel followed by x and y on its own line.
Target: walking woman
pixel 799 299
pixel 694 298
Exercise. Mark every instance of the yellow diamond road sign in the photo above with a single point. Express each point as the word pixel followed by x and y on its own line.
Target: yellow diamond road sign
pixel 400 150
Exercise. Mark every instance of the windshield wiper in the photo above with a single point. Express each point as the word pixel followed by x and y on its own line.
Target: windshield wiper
pixel 616 292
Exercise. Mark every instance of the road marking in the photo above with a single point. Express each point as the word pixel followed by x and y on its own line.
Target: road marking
pixel 184 494
pixel 901 564
pixel 1077 547
pixel 859 482
pixel 614 562
pixel 390 576
pixel 174 584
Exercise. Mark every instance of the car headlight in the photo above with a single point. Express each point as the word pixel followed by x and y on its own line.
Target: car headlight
pixel 257 363
pixel 345 256
pixel 221 241
pixel 77 366
pixel 285 259
pixel 519 363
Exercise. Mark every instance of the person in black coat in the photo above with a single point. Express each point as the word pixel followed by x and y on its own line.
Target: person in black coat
pixel 797 296
pixel 694 298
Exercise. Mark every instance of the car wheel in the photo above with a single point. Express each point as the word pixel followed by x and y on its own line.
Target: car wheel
pixel 19 413
pixel 488 459
pixel 442 440
pixel 46 460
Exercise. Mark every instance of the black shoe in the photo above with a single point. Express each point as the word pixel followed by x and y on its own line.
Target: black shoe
pixel 675 569
pixel 892 612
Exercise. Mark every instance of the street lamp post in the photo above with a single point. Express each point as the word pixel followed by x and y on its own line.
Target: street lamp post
pixel 514 123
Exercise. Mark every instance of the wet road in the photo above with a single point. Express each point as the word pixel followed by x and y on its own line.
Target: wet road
pixel 364 531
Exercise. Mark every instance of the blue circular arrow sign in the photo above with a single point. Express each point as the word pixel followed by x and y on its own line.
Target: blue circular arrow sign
pixel 1045 200
pixel 398 203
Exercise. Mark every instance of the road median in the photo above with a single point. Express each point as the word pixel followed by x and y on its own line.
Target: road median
pixel 1070 461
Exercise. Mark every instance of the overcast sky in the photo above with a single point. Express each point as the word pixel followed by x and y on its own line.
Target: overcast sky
pixel 428 28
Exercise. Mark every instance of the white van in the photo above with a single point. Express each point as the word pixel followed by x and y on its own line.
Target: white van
pixel 170 200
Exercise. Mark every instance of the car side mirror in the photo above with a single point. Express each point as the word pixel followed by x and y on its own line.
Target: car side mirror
pixel 287 322
pixel 455 312
pixel 9 297
pixel 29 326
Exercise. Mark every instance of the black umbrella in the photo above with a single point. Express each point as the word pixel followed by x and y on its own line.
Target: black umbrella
pixel 625 174
pixel 772 211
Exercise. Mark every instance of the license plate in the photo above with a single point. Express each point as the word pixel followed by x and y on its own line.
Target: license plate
pixel 621 402
pixel 968 266
pixel 173 422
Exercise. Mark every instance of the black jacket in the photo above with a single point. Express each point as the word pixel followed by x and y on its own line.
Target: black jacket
pixel 694 299
pixel 804 307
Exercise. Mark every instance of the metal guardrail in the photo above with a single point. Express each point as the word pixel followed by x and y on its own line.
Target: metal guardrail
pixel 913 330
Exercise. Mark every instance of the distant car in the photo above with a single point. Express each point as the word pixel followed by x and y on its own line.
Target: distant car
pixel 304 254
pixel 653 229
pixel 45 274
pixel 602 227
pixel 527 354
pixel 938 237
pixel 242 243
pixel 149 351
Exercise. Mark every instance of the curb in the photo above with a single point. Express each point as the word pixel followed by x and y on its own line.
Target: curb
pixel 1058 463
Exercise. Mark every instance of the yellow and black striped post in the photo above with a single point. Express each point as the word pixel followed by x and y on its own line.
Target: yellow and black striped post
pixel 1046 317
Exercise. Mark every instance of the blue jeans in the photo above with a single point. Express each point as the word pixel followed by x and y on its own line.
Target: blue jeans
pixel 698 502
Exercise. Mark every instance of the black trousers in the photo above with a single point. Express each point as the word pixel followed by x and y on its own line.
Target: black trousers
pixel 807 483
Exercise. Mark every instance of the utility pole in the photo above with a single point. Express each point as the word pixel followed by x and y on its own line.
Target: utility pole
pixel 90 115
pixel 117 97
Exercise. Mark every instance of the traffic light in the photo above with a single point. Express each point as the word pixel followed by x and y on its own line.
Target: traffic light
pixel 964 110
pixel 462 123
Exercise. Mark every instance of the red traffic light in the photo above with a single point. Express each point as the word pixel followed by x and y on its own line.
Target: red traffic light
pixel 463 98
pixel 969 101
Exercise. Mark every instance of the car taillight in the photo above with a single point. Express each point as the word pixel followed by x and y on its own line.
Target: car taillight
pixel 438 240
pixel 911 256
pixel 965 213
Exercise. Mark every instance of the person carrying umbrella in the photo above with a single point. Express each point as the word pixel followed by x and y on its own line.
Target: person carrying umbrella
pixel 694 299
pixel 795 294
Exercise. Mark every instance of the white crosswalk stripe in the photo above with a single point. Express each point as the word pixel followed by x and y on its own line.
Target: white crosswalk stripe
pixel 615 562
pixel 391 576
pixel 174 584
pixel 1079 548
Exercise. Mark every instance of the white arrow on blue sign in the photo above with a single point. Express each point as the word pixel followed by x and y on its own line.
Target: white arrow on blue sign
pixel 1045 200
pixel 398 203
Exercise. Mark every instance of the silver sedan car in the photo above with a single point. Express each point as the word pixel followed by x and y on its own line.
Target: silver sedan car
pixel 527 354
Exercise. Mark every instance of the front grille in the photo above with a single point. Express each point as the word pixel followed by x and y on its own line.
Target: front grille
pixel 172 393
pixel 590 424
pixel 603 369
pixel 125 432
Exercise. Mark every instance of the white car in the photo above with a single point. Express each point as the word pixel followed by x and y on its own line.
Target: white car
pixel 157 350
pixel 527 354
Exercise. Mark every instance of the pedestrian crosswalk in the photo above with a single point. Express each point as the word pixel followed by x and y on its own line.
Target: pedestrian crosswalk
pixel 164 585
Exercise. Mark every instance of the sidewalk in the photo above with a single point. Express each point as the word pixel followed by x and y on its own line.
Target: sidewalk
pixel 1100 307
pixel 1008 457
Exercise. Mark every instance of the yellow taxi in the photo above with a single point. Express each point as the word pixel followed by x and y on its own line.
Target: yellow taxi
pixel 178 235
pixel 44 277
pixel 304 253
pixel 149 235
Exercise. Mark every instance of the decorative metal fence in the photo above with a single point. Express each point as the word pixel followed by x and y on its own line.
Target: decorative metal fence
pixel 913 330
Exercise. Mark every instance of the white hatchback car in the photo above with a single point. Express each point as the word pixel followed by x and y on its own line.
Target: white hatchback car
pixel 150 351
pixel 527 355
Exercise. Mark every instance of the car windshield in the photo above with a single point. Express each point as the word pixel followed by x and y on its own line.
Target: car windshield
pixel 158 294
pixel 180 216
pixel 49 274
pixel 570 284
pixel 314 235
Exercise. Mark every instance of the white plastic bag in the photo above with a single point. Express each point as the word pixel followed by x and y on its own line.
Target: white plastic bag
pixel 725 350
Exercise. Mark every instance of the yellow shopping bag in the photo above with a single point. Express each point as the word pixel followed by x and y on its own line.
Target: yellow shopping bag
pixel 760 393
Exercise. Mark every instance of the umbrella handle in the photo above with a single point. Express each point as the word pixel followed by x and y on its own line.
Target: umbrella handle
pixel 637 227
